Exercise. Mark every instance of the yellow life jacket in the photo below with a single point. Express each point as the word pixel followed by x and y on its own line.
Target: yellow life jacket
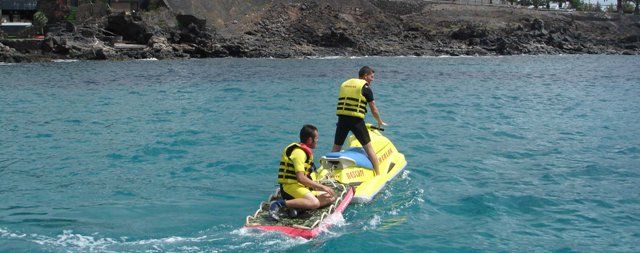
pixel 286 171
pixel 350 100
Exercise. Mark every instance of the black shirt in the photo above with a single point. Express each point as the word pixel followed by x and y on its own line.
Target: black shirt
pixel 367 93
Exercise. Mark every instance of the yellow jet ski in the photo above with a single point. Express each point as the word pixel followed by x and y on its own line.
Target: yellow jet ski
pixel 352 166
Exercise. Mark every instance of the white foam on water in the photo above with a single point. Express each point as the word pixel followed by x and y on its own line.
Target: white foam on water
pixel 65 60
pixel 194 249
pixel 332 221
pixel 149 59
pixel 326 57
pixel 246 232
pixel 6 64
pixel 264 240
pixel 460 56
pixel 416 197
pixel 171 240
pixel 288 243
pixel 334 57
pixel 276 241
pixel 336 219
pixel 419 196
pixel 4 233
pixel 405 175
pixel 241 246
pixel 374 222
pixel 74 242
pixel 386 193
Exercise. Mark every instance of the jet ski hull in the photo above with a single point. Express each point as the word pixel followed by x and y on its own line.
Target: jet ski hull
pixel 352 167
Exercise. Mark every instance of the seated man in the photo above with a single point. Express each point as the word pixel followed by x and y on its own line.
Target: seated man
pixel 294 173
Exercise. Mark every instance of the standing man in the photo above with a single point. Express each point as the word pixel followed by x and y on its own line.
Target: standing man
pixel 353 98
pixel 294 178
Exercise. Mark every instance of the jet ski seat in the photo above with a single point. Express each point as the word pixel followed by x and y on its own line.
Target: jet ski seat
pixel 348 158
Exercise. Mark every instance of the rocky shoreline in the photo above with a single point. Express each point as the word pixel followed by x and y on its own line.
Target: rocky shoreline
pixel 310 29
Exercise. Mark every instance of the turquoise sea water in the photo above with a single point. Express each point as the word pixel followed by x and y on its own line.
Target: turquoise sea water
pixel 506 154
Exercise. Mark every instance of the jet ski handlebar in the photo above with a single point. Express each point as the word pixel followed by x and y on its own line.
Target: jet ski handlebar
pixel 375 127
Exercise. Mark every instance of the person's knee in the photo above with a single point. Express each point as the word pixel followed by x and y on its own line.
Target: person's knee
pixel 325 200
pixel 315 203
pixel 312 202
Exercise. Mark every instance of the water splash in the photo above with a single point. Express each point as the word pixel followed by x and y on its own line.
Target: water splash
pixel 75 242
pixel 4 233
pixel 336 220
pixel 254 239
pixel 373 222
pixel 405 175
pixel 64 60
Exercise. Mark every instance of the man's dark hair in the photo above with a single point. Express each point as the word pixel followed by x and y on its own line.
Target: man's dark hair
pixel 307 131
pixel 366 70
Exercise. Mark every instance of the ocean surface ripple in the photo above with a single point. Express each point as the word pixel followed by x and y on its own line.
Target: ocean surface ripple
pixel 506 154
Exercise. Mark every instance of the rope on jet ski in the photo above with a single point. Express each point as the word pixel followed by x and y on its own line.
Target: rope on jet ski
pixel 255 215
pixel 262 204
pixel 300 226
pixel 331 208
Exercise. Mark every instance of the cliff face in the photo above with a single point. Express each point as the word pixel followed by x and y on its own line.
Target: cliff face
pixel 300 28
pixel 392 22
pixel 221 13
pixel 379 27
pixel 217 12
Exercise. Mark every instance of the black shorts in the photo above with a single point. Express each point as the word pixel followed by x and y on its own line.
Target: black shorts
pixel 355 125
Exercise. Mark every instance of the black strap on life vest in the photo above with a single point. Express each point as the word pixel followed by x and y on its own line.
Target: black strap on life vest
pixel 307 160
pixel 360 107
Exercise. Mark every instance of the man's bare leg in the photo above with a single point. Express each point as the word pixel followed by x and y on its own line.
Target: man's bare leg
pixel 373 157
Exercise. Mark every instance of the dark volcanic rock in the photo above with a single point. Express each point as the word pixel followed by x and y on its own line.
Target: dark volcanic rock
pixel 191 34
pixel 399 7
pixel 10 55
pixel 56 44
pixel 331 38
pixel 336 39
pixel 186 20
pixel 506 46
pixel 555 40
pixel 537 25
pixel 469 32
pixel 130 27
pixel 299 28
pixel 161 46
pixel 632 39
